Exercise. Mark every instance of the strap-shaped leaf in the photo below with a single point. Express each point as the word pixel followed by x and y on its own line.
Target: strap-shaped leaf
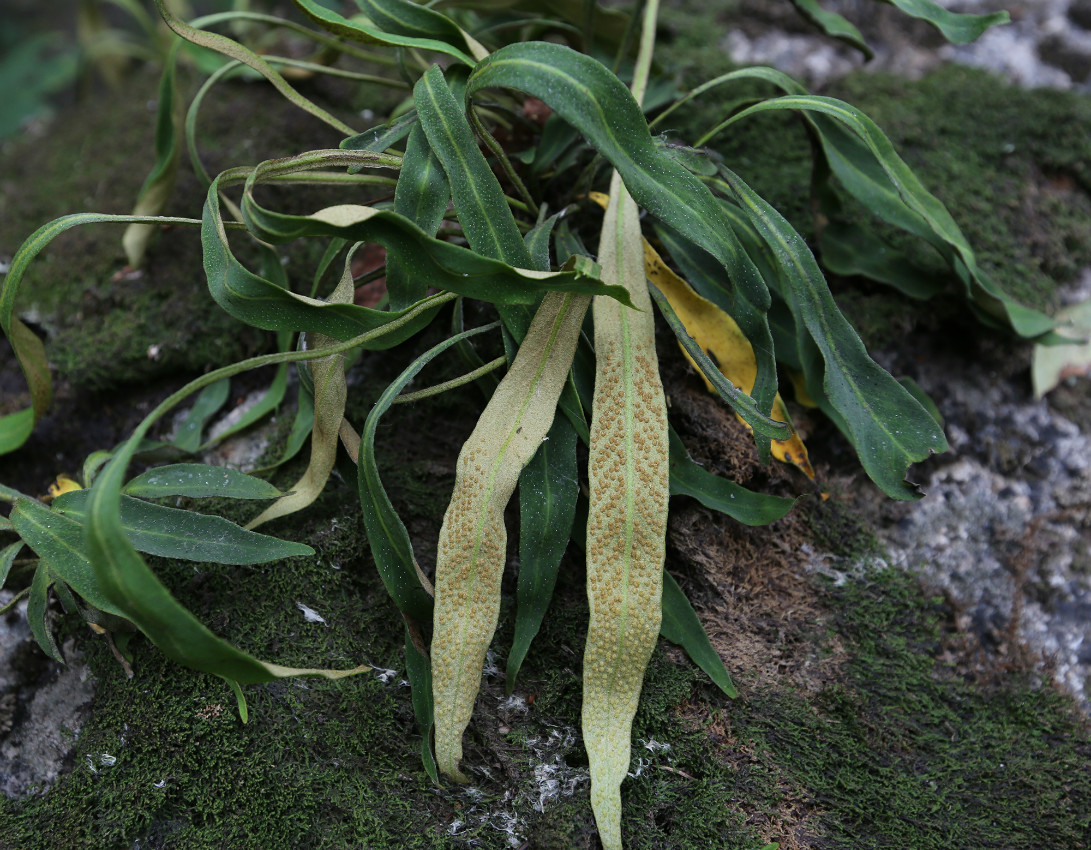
pixel 548 489
pixel 719 494
pixel 628 480
pixel 956 27
pixel 199 481
pixel 159 185
pixel 58 540
pixel 866 164
pixel 187 535
pixel 207 404
pixel 38 612
pixel 225 46
pixel 330 392
pixel 443 264
pixel 482 208
pixel 834 25
pixel 473 538
pixel 682 626
pixel 386 534
pixel 593 100
pixel 29 351
pixel 421 196
pixel 416 27
pixel 888 427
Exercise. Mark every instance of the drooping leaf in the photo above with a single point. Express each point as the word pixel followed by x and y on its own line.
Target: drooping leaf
pixel 394 23
pixel 386 534
pixel 866 164
pixel 548 488
pixel 58 541
pixel 956 27
pixel 38 612
pixel 593 100
pixel 682 626
pixel 187 535
pixel 330 393
pixel 849 249
pixel 29 351
pixel 719 494
pixel 472 541
pixel 208 403
pixel 197 481
pixel 159 184
pixel 887 426
pixel 833 25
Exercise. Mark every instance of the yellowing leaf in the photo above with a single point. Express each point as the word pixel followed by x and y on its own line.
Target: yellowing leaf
pixel 722 339
pixel 62 485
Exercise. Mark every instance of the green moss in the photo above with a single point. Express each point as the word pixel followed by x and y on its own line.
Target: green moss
pixel 908 753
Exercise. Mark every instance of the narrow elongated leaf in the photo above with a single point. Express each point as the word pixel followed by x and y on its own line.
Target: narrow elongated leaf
pixel 58 541
pixel 38 612
pixel 848 249
pixel 833 24
pixel 133 587
pixel 269 402
pixel 7 558
pixel 483 210
pixel 386 534
pixel 417 21
pixel 956 27
pixel 682 626
pixel 419 672
pixel 29 350
pixel 330 392
pixel 197 481
pixel 888 427
pixel 739 401
pixel 719 494
pixel 628 481
pixel 593 100
pixel 472 540
pixel 548 489
pixel 208 403
pixel 174 533
pixel 263 304
pixel 159 185
pixel 402 17
pixel 866 164
pixel 421 196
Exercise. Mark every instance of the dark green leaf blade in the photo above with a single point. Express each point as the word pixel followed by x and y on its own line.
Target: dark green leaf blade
pixel 58 540
pixel 590 98
pixel 174 533
pixel 208 403
pixel 199 480
pixel 887 426
pixel 957 28
pixel 386 533
pixel 682 626
pixel 833 25
pixel 38 612
pixel 483 210
pixel 719 494
pixel 421 196
pixel 548 488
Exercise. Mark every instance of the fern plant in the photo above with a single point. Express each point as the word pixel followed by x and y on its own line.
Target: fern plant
pixel 472 195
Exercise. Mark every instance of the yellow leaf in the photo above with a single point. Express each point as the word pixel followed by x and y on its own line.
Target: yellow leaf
pixel 62 485
pixel 722 339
